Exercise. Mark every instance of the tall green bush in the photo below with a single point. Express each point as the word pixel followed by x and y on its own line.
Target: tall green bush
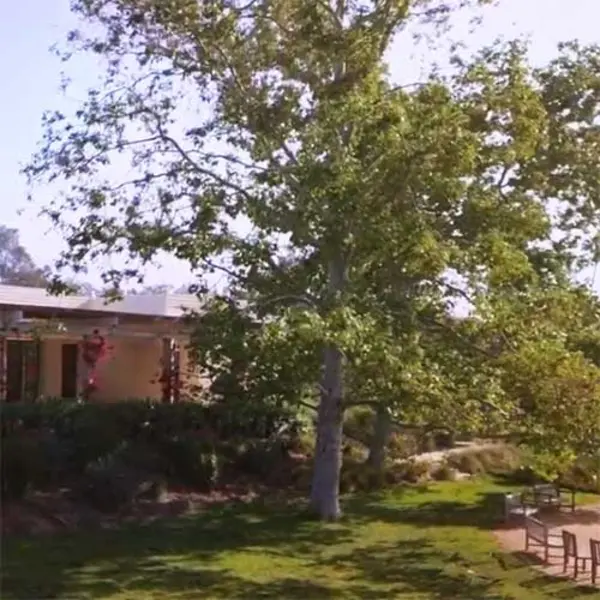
pixel 132 418
pixel 56 441
pixel 191 461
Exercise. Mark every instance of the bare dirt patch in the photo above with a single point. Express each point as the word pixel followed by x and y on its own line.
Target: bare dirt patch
pixel 54 512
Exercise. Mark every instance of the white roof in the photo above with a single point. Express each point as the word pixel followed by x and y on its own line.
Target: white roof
pixel 151 305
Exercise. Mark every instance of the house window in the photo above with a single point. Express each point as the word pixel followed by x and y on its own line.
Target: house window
pixel 69 371
pixel 20 370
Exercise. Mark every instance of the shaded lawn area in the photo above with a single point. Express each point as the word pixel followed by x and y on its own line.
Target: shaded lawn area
pixel 429 543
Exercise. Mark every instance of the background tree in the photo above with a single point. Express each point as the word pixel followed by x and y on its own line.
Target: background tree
pixel 554 385
pixel 299 133
pixel 16 265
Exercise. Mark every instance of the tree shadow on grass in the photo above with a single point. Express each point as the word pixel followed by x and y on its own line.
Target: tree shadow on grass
pixel 417 568
pixel 414 567
pixel 183 557
pixel 451 574
pixel 157 556
pixel 486 513
pixel 411 567
pixel 169 580
pixel 145 580
pixel 539 580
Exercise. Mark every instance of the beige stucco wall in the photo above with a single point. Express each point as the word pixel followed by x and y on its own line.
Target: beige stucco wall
pixel 51 368
pixel 130 370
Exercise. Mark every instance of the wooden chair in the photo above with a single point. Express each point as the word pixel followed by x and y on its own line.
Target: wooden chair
pixel 538 533
pixel 595 556
pixel 571 551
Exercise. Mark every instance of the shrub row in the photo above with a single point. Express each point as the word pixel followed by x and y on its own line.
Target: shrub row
pixel 129 418
pixel 132 445
pixel 584 476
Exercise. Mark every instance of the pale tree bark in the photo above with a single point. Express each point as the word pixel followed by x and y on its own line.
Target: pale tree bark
pixel 325 490
pixel 324 495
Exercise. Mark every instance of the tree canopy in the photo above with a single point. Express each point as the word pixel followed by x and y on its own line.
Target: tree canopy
pixel 265 138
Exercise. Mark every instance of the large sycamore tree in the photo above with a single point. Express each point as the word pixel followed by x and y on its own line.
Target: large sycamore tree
pixel 263 137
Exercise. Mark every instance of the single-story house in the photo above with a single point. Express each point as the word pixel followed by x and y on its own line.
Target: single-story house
pixel 78 346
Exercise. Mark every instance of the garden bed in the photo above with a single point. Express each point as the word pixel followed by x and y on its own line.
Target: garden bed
pixel 56 511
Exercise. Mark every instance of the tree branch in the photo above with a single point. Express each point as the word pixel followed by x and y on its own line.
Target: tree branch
pixel 458 336
pixel 185 156
pixel 308 405
pixel 213 265
pixel 276 299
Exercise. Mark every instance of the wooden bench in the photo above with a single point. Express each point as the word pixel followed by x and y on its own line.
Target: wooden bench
pixel 550 495
pixel 538 534
pixel 516 506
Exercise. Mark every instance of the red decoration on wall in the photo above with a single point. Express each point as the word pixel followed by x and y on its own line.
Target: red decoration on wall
pixel 170 378
pixel 94 349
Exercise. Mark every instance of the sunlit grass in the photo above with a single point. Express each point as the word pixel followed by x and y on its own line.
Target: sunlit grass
pixel 411 543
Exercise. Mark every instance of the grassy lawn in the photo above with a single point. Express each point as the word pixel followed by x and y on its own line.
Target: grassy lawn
pixel 417 544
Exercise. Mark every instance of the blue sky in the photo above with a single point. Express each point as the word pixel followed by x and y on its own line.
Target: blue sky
pixel 31 77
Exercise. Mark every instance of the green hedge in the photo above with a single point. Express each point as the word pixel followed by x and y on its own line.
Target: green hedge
pixel 53 442
pixel 131 417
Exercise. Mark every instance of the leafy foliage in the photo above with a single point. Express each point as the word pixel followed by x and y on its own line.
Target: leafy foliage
pixel 249 362
pixel 370 210
pixel 56 442
pixel 550 382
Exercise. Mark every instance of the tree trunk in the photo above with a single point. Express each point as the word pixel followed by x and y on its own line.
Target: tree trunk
pixel 325 489
pixel 324 496
pixel 381 435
